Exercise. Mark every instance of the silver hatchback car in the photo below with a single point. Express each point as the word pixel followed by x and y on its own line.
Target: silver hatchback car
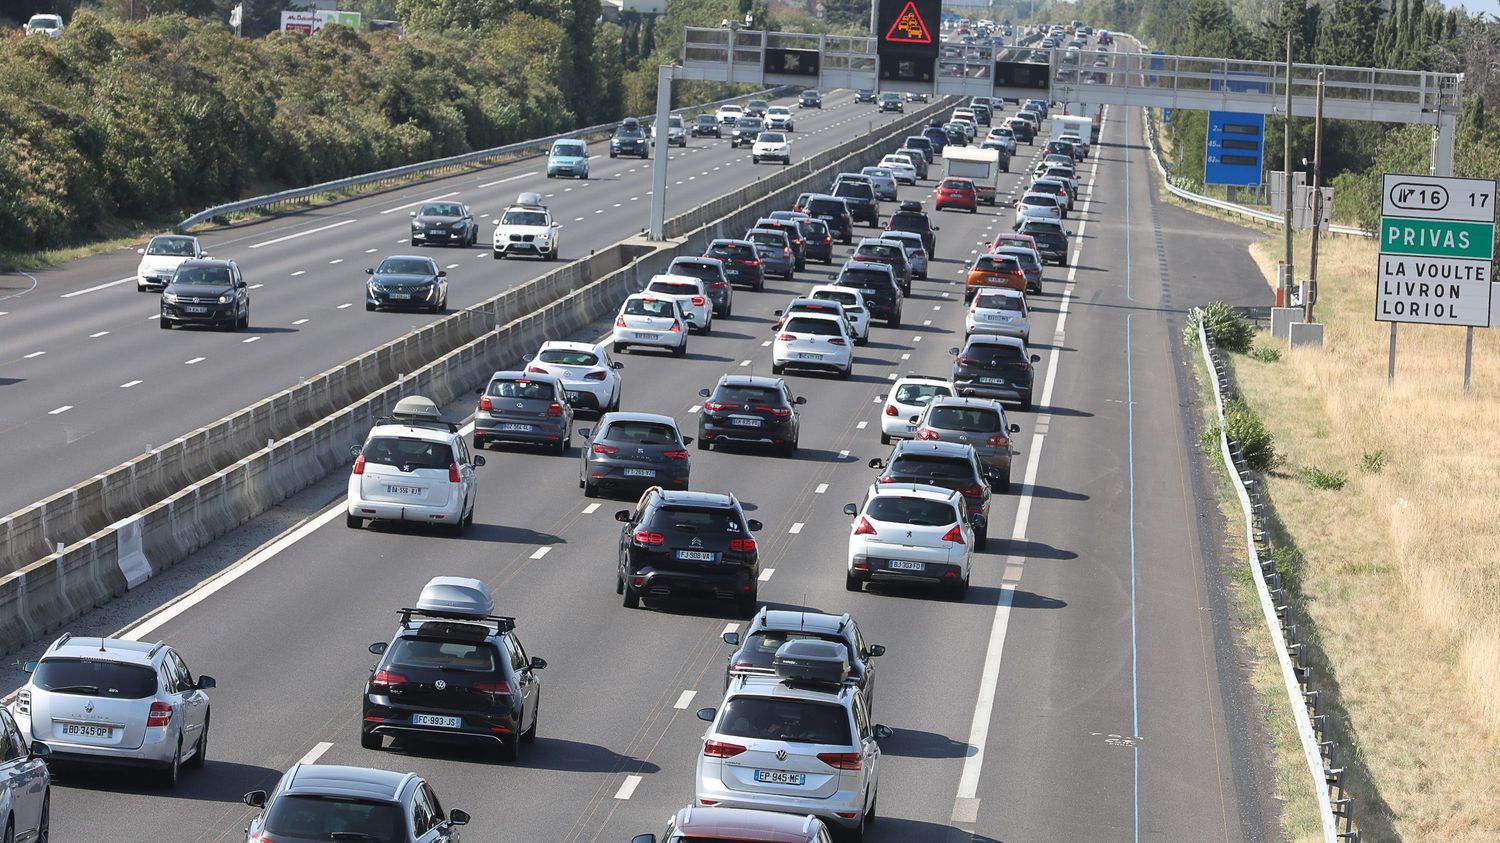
pixel 979 422
pixel 113 702
pixel 526 407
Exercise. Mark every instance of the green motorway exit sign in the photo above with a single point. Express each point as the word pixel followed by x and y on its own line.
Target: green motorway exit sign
pixel 1437 238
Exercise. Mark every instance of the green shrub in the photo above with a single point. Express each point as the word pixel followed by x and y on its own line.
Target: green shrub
pixel 1256 441
pixel 1265 354
pixel 1223 324
pixel 1320 479
pixel 1372 462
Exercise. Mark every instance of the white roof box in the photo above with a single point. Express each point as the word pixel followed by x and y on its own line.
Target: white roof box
pixel 529 198
pixel 456 597
pixel 417 405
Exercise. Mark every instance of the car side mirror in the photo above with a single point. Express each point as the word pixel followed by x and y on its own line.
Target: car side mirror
pixel 442 273
pixel 687 440
pixel 882 396
pixel 643 838
pixel 378 648
pixel 732 638
pixel 1036 358
pixel 704 393
pixel 623 516
pixel 883 732
pixel 1015 428
pixel 255 799
pixel 706 715
pixel 776 313
pixel 538 663
pixel 458 816
pixel 755 526
pixel 39 750
pixel 206 682
pixel 29 666
pixel 140 251
pixel 875 651
pixel 617 365
pixel 937 228
pixel 412 214
pixel 799 400
pixel 953 351
pixel 369 270
pixel 585 431
pixel 528 357
pixel 877 463
pixel 977 520
pixel 851 510
pixel 354 450
pixel 915 419
pixel 478 460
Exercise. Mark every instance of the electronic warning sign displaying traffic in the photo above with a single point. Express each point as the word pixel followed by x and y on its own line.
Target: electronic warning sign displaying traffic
pixel 906 42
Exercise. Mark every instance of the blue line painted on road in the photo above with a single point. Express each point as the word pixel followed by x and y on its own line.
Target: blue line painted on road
pixel 1135 695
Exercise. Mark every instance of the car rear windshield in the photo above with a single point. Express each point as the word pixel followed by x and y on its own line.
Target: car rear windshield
pixel 569 357
pixel 826 206
pixel 447 656
pixel 997 302
pixel 957 184
pixel 726 251
pixel 408 451
pixel 854 190
pixel 879 251
pixel 749 396
pixel 967 419
pixel 1024 256
pixel 335 818
pixel 848 300
pixel 917 142
pixel 698 520
pixel 768 239
pixel 865 279
pixel 650 307
pixel 641 433
pixel 908 222
pixel 705 271
pixel 1040 200
pixel 936 468
pixel 918 512
pixel 214 276
pixel 992 354
pixel 525 388
pixel 760 649
pixel 674 288
pixel 1042 228
pixel 810 325
pixel 95 678
pixel 794 721
pixel 921 394
pixel 989 264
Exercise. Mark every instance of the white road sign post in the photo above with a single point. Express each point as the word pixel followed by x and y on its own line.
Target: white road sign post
pixel 1437 252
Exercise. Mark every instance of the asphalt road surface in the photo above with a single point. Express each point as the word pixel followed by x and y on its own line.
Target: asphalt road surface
pixel 1087 689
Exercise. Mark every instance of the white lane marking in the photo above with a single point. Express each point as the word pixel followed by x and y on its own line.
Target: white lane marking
pixel 599 210
pixel 418 202
pixel 540 552
pixel 744 362
pixel 250 339
pixel 337 260
pixel 937 307
pixel 822 487
pixel 256 286
pixel 304 272
pixel 766 574
pixel 371 251
pixel 796 528
pixel 731 627
pixel 303 234
pixel 905 356
pixel 591 509
pixel 628 788
pixel 844 454
pixel 154 316
pixel 451 266
pixel 194 361
pixel 684 700
pixel 766 343
pixel 128 384
pixel 98 335
pixel 300 322
pixel 103 286
pixel 316 752
pixel 345 304
pixel 891 376
pixel 862 425
pixel 63 409
pixel 509 178
pixel 695 408
pixel 578 219
pixel 32 354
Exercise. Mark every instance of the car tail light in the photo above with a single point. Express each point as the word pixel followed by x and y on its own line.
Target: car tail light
pixel 719 749
pixel 675 455
pixel 890 410
pixel 676 326
pixel 967 361
pixel 787 337
pixel 697 301
pixel 536 370
pixel 385 679
pixel 606 450
pixel 927 434
pixel 841 760
pixel 647 539
pixel 885 479
pixel 452 472
pixel 23 701
pixel 747 263
pixel 864 528
pixel 827 240
pixel 837 341
pixel 620 322
pixel 734 669
pixel 159 715
pixel 998 441
pixel 359 464
pixel 486 404
pixel 594 376
pixel 787 252
pixel 954 535
pixel 718 285
pixel 554 410
pixel 719 407
pixel 742 545
pixel 498 689
pixel 778 412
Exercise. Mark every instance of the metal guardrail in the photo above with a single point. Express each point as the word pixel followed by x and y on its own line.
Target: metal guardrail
pixel 435 165
pixel 1318 746
pixel 1262 216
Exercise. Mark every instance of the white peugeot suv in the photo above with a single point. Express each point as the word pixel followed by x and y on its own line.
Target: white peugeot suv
pixel 413 467
pixel 799 742
pixel 910 531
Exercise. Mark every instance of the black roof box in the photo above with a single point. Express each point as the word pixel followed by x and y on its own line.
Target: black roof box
pixel 911 205
pixel 811 662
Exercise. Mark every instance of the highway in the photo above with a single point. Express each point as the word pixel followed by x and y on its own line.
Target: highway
pixel 88 380
pixel 1087 689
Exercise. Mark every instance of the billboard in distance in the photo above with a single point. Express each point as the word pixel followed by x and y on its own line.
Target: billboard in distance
pixel 311 23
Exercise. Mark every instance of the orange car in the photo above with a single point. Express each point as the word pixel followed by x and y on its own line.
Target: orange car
pixel 991 271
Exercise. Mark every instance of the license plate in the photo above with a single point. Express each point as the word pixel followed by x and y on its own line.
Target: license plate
pixel 911 428
pixel 779 777
pixel 640 472
pixel 196 309
pixel 437 234
pixel 403 490
pixel 993 381
pixel 997 317
pixel 640 336
pixel 741 422
pixel 803 355
pixel 517 428
pixel 574 396
pixel 697 555
pixel 88 731
pixel 435 720
pixel 903 565
pixel 400 295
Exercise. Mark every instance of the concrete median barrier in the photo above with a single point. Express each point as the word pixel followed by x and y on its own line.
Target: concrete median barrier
pixel 77 549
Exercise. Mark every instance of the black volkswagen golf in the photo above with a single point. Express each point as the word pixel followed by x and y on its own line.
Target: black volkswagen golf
pixel 752 410
pixel 633 451
pixel 688 544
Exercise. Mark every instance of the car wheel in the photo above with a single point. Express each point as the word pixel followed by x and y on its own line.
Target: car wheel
pixel 590 490
pixel 499 256
pixel 551 175
pixel 166 324
pixel 619 348
pixel 982 538
pixel 852 583
pixel 704 444
pixel 414 242
pixel 777 368
pixel 958 593
pixel 529 736
pixel 611 153
pixel 885 439
pixel 469 519
pixel 748 603
pixel 754 160
pixel 681 350
pixel 370 740
pixel 369 307
pixel 790 449
pixel 564 444
pixel 894 321
pixel 631 600
pixel 173 771
pixel 353 522
pixel 847 372
pixel 44 825
pixel 10 831
pixel 510 748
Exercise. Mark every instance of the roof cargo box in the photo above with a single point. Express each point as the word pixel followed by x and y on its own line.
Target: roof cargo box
pixel 456 597
pixel 416 405
pixel 811 662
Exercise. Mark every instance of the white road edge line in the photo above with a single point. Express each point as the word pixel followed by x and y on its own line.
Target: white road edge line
pixel 418 202
pixel 591 509
pixel 104 286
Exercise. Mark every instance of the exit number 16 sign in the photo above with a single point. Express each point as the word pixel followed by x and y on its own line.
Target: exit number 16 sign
pixel 1438 198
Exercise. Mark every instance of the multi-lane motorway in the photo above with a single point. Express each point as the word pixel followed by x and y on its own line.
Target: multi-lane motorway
pixel 1086 689
pixel 89 381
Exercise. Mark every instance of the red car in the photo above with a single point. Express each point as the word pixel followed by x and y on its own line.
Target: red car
pixel 958 193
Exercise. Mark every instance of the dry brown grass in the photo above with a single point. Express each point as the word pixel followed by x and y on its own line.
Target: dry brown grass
pixel 1402 571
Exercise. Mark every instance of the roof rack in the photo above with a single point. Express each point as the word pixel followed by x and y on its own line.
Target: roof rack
pixel 417 411
pixel 503 623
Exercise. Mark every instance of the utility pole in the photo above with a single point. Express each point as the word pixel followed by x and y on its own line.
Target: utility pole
pixel 1286 161
pixel 1317 204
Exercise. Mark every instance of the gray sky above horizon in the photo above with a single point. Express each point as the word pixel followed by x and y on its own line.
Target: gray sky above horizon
pixel 1490 6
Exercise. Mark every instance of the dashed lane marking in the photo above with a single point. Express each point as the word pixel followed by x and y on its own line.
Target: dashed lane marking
pixel 540 552
pixel 685 699
pixel 63 409
pixel 128 384
pixel 591 509
pixel 628 788
pixel 97 335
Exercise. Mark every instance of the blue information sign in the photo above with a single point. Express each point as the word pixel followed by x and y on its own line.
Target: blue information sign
pixel 1156 64
pixel 1166 116
pixel 1233 154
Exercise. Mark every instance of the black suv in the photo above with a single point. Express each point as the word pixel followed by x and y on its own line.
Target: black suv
pixel 1051 239
pixel 703 125
pixel 920 142
pixel 741 262
pixel 794 235
pixel 688 543
pixel 860 197
pixel 455 672
pixel 745 131
pixel 878 282
pixel 864 95
pixel 629 139
pixel 834 213
pixel 810 99
pixel 911 218
pixel 994 367
pixel 206 292
pixel 750 409
pixel 947 465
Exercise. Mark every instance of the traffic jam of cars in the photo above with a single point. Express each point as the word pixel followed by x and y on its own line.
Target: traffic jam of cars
pixel 792 751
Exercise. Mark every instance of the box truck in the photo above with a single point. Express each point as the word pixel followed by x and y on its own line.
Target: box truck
pixel 981 166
